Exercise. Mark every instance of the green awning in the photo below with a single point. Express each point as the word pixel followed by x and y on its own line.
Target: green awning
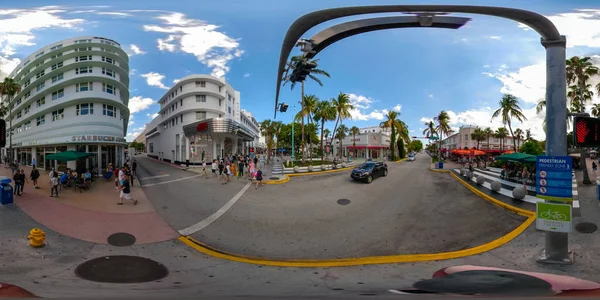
pixel 518 157
pixel 68 155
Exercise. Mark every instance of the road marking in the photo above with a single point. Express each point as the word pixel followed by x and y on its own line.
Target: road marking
pixel 210 219
pixel 152 177
pixel 169 181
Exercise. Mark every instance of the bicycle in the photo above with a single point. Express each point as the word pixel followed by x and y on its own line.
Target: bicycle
pixel 553 215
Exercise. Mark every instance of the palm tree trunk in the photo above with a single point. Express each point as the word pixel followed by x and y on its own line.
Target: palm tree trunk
pixel 322 148
pixel 334 132
pixel 393 144
pixel 10 152
pixel 310 145
pixel 302 104
pixel 513 136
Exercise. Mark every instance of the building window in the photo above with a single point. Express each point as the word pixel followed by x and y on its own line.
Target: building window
pixel 108 60
pixel 27 83
pixel 57 65
pixel 200 115
pixel 229 110
pixel 57 77
pixel 56 47
pixel 83 58
pixel 220 102
pixel 27 94
pixel 27 109
pixel 200 98
pixel 83 41
pixel 181 117
pixel 18 101
pixel 20 129
pixel 85 109
pixel 19 115
pixel 109 110
pixel 466 136
pixel 180 102
pixel 58 114
pixel 56 56
pixel 41 120
pixel 83 70
pixel 84 87
pixel 27 125
pixel 39 54
pixel 200 83
pixel 108 88
pixel 41 101
pixel 40 74
pixel 84 49
pixel 40 86
pixel 108 72
pixel 58 94
pixel 151 146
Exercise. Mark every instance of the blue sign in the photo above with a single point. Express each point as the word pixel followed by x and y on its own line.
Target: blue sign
pixel 554 178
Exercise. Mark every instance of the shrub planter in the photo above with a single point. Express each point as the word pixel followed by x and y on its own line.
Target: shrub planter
pixel 496 186
pixel 296 169
pixel 518 193
pixel 323 168
pixel 480 180
pixel 310 168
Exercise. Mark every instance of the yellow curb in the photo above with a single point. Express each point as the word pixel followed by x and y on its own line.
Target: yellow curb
pixel 371 260
pixel 320 172
pixel 279 181
pixel 439 170
pixel 401 160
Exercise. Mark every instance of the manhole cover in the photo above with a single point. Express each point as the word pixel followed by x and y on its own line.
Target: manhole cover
pixel 121 239
pixel 487 283
pixel 273 178
pixel 343 202
pixel 586 227
pixel 121 269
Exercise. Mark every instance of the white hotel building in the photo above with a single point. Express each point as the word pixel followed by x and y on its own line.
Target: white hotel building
pixel 200 118
pixel 74 96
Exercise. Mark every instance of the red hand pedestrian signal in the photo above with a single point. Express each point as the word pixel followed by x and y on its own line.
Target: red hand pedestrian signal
pixel 587 132
pixel 582 131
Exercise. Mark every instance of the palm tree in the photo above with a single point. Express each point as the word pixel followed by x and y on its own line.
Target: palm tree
pixel 488 132
pixel 528 136
pixel 429 131
pixel 326 134
pixel 442 128
pixel 354 131
pixel 501 134
pixel 478 135
pixel 291 66
pixel 9 88
pixel 324 112
pixel 267 130
pixel 396 126
pixel 596 110
pixel 518 136
pixel 509 108
pixel 277 127
pixel 342 107
pixel 307 111
pixel 340 135
pixel 579 72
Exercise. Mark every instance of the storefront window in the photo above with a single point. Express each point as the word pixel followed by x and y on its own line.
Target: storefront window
pixel 61 148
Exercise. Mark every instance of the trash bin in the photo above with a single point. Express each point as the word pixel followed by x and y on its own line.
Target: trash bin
pixel 440 165
pixel 6 193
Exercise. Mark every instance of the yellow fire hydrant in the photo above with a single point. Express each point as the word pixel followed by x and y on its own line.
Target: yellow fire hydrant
pixel 37 238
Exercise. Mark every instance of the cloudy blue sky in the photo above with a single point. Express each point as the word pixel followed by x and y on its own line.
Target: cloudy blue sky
pixel 415 71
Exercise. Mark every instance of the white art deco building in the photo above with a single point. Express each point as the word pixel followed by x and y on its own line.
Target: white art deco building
pixel 200 118
pixel 74 96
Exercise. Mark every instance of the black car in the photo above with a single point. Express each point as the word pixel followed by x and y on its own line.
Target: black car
pixel 369 171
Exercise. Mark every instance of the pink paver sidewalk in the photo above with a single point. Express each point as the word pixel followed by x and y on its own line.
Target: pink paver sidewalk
pixel 94 226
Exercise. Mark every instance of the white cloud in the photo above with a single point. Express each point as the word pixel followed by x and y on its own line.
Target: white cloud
pixel 152 116
pixel 138 103
pixel 360 101
pixel 431 96
pixel 486 66
pixel 211 47
pixel 374 115
pixel 581 27
pixel 426 120
pixel 18 27
pixel 155 79
pixel 135 50
pixel 527 83
pixel 495 37
pixel 132 71
pixel 114 13
pixel 397 108
pixel 177 80
pixel 247 75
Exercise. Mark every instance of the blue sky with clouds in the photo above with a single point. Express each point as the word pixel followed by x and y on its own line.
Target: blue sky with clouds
pixel 416 71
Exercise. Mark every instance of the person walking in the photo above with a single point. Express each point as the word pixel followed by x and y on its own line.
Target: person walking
pixel 524 176
pixel 133 168
pixel 204 169
pixel 241 168
pixel 259 177
pixel 213 167
pixel 35 174
pixel 221 167
pixel 53 183
pixel 125 192
pixel 19 179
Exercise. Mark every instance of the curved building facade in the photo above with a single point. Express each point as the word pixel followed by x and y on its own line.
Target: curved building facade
pixel 74 96
pixel 200 118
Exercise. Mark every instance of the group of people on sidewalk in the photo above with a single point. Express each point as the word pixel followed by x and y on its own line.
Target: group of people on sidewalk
pixel 240 167
pixel 123 181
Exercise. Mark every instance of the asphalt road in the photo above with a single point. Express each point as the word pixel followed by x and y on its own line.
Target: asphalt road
pixel 183 198
pixel 411 211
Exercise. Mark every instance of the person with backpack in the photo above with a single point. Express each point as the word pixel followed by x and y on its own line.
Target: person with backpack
pixel 53 183
pixel 258 177
pixel 35 174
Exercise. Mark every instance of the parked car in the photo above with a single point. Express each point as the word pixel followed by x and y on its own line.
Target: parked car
pixel 369 171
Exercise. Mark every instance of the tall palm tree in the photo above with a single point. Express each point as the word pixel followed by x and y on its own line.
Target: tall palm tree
pixel 326 134
pixel 9 88
pixel 443 127
pixel 478 135
pixel 342 107
pixel 501 133
pixel 596 110
pixel 307 111
pixel 488 132
pixel 396 127
pixel 528 136
pixel 518 136
pixel 294 63
pixel 324 112
pixel 340 135
pixel 354 131
pixel 277 130
pixel 579 71
pixel 429 131
pixel 509 108
pixel 267 130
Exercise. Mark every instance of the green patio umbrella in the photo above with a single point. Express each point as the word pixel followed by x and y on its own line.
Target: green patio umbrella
pixel 519 157
pixel 68 155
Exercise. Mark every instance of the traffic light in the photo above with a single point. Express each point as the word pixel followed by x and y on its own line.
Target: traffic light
pixel 301 70
pixel 587 132
pixel 283 107
pixel 2 133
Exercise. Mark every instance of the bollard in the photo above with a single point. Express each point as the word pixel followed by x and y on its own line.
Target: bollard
pixel 37 238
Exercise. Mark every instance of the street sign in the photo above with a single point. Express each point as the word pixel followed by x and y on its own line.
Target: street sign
pixel 554 217
pixel 587 132
pixel 433 138
pixel 554 178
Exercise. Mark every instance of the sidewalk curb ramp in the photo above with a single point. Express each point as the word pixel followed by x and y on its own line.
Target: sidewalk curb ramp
pixel 371 260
